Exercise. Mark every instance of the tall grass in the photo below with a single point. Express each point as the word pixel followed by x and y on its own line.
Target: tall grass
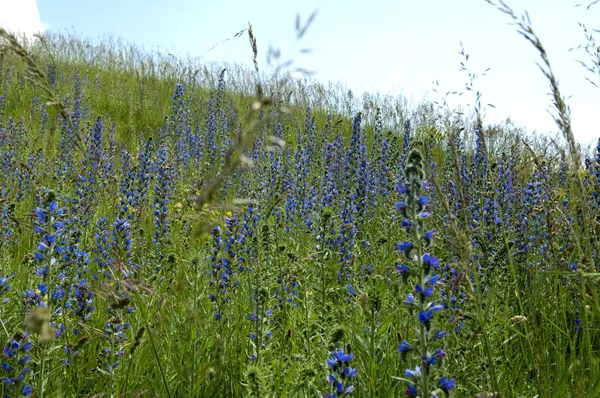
pixel 178 229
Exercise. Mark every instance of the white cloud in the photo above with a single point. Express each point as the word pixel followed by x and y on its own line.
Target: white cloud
pixel 21 17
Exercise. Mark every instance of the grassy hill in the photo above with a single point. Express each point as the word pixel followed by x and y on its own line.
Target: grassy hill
pixel 180 233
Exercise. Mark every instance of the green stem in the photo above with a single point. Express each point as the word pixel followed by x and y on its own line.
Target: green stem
pixel 193 375
pixel 486 340
pixel 41 381
pixel 154 350
pixel 372 349
pixel 127 375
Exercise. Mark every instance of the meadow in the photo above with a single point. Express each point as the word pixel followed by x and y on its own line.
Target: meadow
pixel 173 231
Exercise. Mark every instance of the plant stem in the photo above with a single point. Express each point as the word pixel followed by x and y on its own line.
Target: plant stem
pixel 154 350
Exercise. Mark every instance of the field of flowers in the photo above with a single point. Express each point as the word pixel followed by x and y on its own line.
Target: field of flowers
pixel 166 235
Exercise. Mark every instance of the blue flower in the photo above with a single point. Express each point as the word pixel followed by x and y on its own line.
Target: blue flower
pixel 425 316
pixel 432 280
pixel 53 207
pixel 433 307
pixel 43 288
pixel 26 390
pixel 446 384
pixel 431 261
pixel 400 206
pixel 341 356
pixel 351 372
pixel 428 236
pixel 351 291
pixel 404 346
pixel 424 214
pixel 413 373
pixel 402 269
pixel 439 354
pixel 404 246
pixel 411 391
pixel 340 363
pixel 409 300
pixel 425 293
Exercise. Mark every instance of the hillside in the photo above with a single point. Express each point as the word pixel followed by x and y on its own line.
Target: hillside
pixel 180 234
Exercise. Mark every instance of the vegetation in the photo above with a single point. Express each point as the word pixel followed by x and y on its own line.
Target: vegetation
pixel 170 229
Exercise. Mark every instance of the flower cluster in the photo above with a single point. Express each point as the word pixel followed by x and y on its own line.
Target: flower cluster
pixel 162 191
pixel 49 226
pixel 428 348
pixel 14 365
pixel 341 373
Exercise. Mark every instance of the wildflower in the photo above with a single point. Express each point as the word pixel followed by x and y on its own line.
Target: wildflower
pixel 404 246
pixel 430 261
pixel 413 373
pixel 446 384
pixel 403 270
pixel 425 316
pixel 409 300
pixel 424 293
pixel 415 210
pixel 340 365
pixel 411 391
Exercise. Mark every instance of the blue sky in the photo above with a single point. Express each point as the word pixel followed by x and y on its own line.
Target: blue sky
pixel 388 46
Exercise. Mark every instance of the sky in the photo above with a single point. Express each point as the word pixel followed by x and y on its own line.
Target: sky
pixel 394 47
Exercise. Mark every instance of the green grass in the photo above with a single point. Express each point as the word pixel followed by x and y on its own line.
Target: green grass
pixel 518 263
